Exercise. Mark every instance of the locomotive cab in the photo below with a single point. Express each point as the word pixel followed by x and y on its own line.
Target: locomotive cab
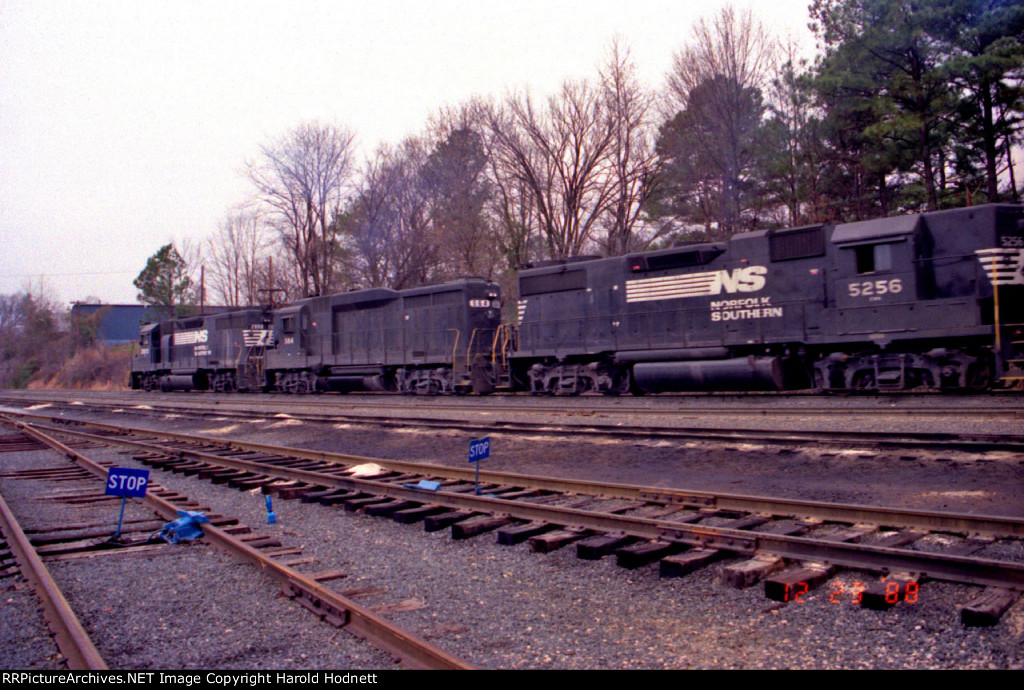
pixel 875 277
pixel 289 364
pixel 293 324
pixel 916 298
pixel 147 360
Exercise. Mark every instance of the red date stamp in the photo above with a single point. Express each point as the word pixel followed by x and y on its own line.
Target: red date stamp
pixel 895 592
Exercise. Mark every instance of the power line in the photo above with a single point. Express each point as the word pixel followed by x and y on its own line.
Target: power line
pixel 63 275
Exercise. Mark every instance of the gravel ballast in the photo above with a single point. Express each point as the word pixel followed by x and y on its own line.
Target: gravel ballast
pixel 506 607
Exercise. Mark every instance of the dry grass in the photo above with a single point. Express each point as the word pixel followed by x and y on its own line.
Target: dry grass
pixel 96 368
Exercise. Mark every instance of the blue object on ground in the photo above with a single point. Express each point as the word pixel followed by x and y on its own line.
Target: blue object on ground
pixel 185 527
pixel 271 515
pixel 424 485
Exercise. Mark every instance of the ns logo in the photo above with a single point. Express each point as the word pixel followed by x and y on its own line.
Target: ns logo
pixel 706 284
pixel 749 279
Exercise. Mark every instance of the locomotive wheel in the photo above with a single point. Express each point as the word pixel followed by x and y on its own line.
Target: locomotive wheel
pixel 634 389
pixel 979 376
pixel 863 381
pixel 620 385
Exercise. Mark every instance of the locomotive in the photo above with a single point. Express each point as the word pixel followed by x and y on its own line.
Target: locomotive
pixel 426 340
pixel 930 301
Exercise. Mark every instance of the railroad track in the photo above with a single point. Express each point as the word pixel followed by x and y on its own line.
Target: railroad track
pixel 790 546
pixel 264 552
pixel 659 407
pixel 588 426
pixel 18 553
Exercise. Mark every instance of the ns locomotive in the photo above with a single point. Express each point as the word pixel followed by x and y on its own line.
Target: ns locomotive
pixel 433 339
pixel 932 300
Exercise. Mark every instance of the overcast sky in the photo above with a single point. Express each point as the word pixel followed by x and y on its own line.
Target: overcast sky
pixel 126 125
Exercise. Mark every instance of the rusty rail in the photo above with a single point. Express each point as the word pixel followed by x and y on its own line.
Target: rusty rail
pixel 962 569
pixel 412 651
pixel 990 525
pixel 71 638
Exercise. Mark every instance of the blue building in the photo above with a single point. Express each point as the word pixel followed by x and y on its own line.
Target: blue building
pixel 118 323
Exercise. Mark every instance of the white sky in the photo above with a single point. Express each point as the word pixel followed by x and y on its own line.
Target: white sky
pixel 126 125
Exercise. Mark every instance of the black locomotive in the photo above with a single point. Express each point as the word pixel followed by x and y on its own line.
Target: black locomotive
pixel 933 300
pixel 435 339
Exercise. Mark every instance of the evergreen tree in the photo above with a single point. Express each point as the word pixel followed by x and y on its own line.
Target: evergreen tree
pixel 164 282
pixel 883 66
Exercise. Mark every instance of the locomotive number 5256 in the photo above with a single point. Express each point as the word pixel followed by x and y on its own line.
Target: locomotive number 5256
pixel 869 288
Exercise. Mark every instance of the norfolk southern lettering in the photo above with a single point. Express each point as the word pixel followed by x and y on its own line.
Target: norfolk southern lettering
pixel 737 309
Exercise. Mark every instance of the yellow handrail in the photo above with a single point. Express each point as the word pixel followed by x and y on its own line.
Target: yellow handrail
pixel 455 346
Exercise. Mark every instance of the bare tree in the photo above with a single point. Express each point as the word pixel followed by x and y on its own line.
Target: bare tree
pixel 513 205
pixel 714 107
pixel 559 155
pixel 301 179
pixel 389 240
pixel 737 47
pixel 460 191
pixel 236 258
pixel 632 158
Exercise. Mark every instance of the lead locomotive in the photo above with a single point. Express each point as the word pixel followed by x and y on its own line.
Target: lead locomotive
pixel 934 300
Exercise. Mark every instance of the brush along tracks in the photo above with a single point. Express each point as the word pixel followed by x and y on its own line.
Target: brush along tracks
pixel 265 552
pixel 790 546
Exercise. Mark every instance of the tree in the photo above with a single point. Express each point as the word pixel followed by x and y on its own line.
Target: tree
pixel 559 156
pixel 33 338
pixel 237 258
pixel 884 55
pixel 986 41
pixel 715 104
pixel 164 282
pixel 388 236
pixel 513 206
pixel 791 166
pixel 301 178
pixel 497 227
pixel 454 176
pixel 633 162
pixel 713 185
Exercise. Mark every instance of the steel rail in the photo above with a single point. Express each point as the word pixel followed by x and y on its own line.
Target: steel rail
pixel 940 441
pixel 985 525
pixel 870 439
pixel 961 569
pixel 220 407
pixel 410 649
pixel 225 407
pixel 235 408
pixel 71 638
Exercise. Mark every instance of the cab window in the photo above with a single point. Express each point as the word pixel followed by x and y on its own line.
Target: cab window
pixel 872 258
